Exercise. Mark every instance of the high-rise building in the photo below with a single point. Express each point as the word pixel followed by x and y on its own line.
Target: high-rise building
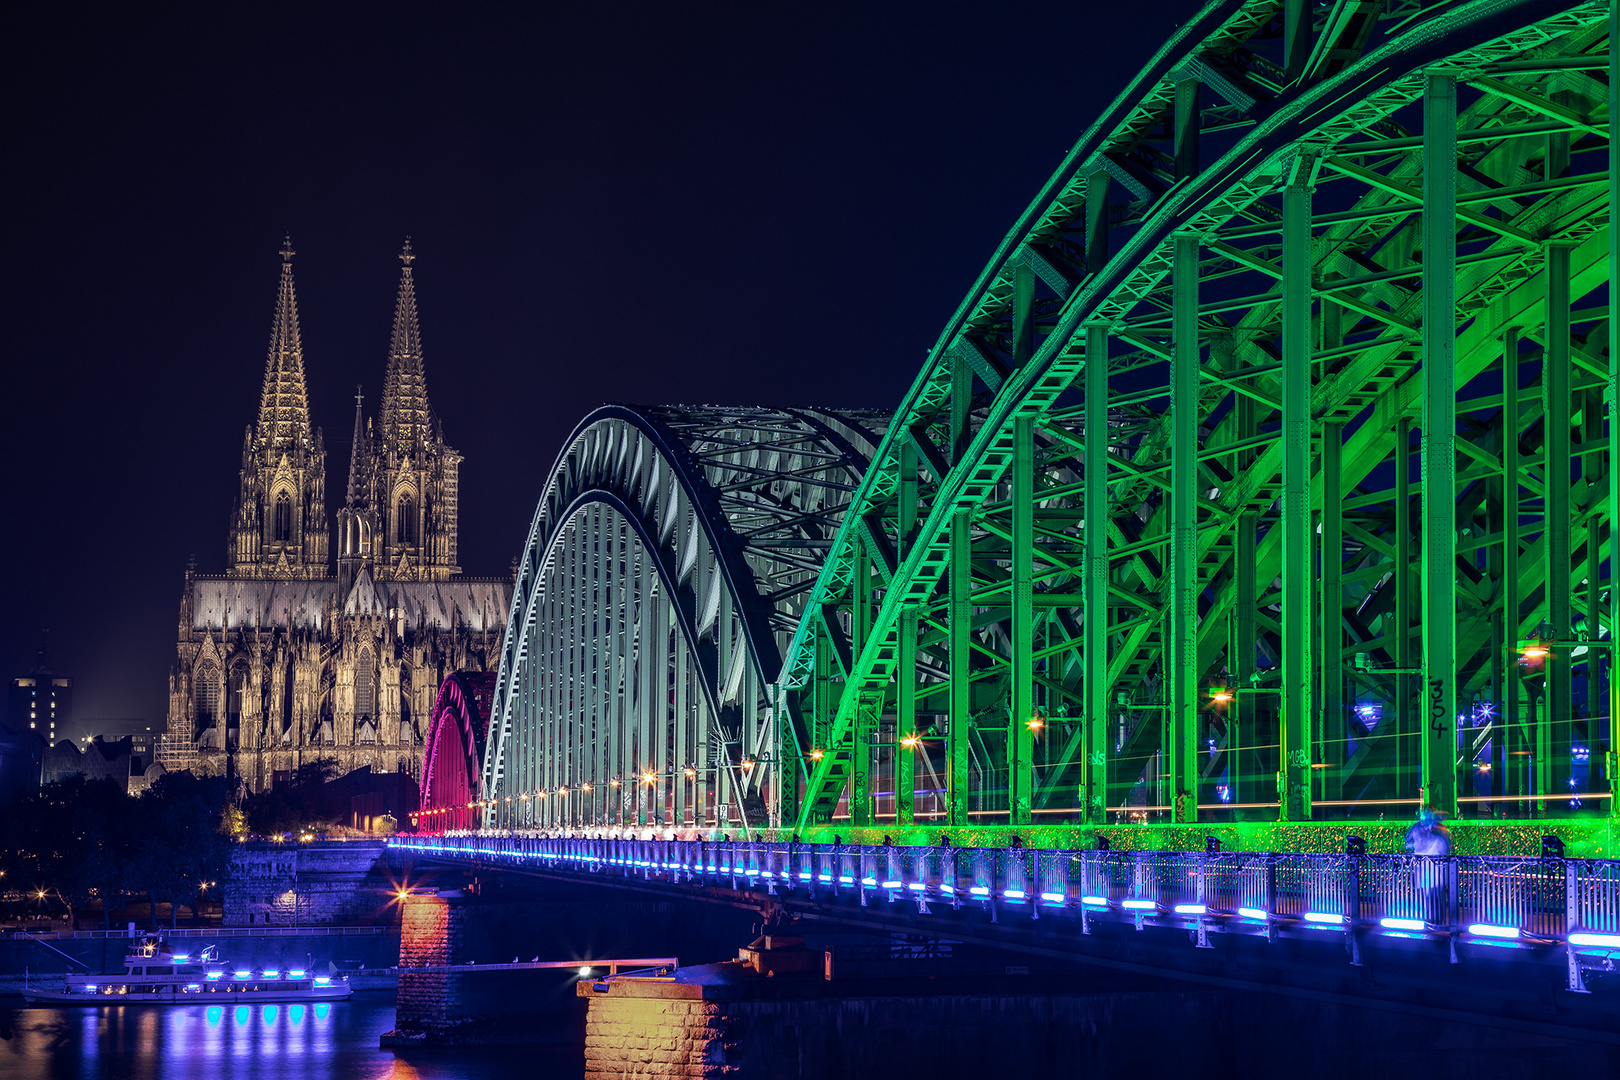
pixel 41 701
pixel 280 660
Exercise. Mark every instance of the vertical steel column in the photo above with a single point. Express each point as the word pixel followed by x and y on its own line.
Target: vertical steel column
pixel 1094 785
pixel 905 757
pixel 1241 656
pixel 1611 396
pixel 1439 421
pixel 1294 777
pixel 1096 221
pixel 1557 511
pixel 1020 734
pixel 680 756
pixel 1332 619
pixel 1182 655
pixel 1296 36
pixel 1187 123
pixel 959 620
pixel 1403 601
pixel 1511 780
pixel 864 724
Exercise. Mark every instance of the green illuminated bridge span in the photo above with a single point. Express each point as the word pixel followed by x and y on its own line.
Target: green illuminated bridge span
pixel 1260 485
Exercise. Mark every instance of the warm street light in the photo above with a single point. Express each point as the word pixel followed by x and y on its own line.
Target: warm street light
pixel 910 741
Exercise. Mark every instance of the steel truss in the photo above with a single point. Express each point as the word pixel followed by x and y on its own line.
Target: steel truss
pixel 1301 237
pixel 665 571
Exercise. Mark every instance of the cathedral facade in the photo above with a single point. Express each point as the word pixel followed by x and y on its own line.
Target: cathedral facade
pixel 286 659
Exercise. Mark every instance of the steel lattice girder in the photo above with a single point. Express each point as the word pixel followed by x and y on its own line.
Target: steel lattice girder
pixel 665 570
pixel 1240 239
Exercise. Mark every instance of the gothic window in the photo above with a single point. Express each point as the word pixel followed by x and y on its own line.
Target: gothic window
pixel 283 530
pixel 365 686
pixel 234 694
pixel 205 697
pixel 406 531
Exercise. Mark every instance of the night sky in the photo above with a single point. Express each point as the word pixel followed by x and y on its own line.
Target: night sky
pixel 768 203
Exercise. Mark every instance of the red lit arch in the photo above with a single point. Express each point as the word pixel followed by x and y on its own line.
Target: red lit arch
pixel 455 752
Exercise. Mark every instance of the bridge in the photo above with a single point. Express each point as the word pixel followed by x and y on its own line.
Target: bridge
pixel 1259 490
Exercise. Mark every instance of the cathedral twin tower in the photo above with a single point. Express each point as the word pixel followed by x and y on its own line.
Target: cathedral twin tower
pixel 281 661
pixel 399 508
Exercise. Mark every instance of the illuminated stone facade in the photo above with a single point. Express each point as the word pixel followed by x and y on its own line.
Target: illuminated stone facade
pixel 281 660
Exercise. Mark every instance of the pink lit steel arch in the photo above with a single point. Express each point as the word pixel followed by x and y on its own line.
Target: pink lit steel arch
pixel 455 751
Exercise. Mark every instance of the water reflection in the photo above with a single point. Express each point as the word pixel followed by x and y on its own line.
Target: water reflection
pixel 264 1042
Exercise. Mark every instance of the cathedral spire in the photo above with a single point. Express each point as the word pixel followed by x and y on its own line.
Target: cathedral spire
pixel 405 415
pixel 284 403
pixel 356 452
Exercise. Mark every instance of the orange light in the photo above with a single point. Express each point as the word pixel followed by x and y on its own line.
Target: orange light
pixel 1221 697
pixel 614 782
pixel 910 742
pixel 647 776
pixel 403 893
pixel 1035 723
pixel 815 755
pixel 1534 652
pixel 746 764
pixel 690 772
pixel 585 787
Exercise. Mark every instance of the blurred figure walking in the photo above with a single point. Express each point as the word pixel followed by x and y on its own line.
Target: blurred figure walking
pixel 1430 841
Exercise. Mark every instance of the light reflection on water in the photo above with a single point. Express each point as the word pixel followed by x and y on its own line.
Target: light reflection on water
pixel 262 1042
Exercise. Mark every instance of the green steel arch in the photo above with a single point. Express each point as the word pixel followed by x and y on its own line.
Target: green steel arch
pixel 664 572
pixel 1231 489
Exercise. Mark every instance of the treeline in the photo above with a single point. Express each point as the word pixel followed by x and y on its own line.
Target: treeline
pixel 83 843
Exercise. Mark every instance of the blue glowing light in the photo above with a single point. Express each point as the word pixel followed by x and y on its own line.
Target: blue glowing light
pixel 1014 894
pixel 1253 913
pixel 323 980
pixel 1095 901
pixel 1602 941
pixel 868 881
pixel 296 973
pixel 295 1015
pixel 1326 917
pixel 1480 929
pixel 272 973
pixel 1190 909
pixel 242 1014
pixel 893 884
pixel 979 890
pixel 90 987
pixel 181 958
pixel 244 974
pixel 270 1012
pixel 214 1014
pixel 1138 904
pixel 193 986
pixel 321 1010
pixel 1401 924
pixel 216 974
pixel 916 886
pixel 1052 897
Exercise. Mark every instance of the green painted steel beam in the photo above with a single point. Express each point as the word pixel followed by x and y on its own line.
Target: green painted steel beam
pixel 1439 453
pixel 1298 532
pixel 1181 657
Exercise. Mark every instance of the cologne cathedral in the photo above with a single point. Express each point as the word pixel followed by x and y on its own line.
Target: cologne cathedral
pixel 285 659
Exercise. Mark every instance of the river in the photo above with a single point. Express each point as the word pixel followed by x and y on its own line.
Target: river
pixel 258 1042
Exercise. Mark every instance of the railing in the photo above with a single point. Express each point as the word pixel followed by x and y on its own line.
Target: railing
pixel 1573 904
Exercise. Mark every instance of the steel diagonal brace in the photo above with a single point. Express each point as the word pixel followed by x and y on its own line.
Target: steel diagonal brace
pixel 1384 183
pixel 1538 104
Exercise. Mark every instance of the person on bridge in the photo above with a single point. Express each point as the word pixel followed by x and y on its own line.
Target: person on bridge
pixel 1430 841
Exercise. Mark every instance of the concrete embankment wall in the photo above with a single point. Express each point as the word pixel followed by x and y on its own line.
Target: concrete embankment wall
pixel 322 883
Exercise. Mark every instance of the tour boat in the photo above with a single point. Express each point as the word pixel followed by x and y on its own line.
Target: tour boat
pixel 156 975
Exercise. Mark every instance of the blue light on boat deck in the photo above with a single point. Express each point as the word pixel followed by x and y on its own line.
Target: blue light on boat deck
pixel 1325 917
pixel 1095 901
pixel 1190 909
pixel 1052 897
pixel 1253 913
pixel 916 886
pixel 1137 904
pixel 979 890
pixel 181 958
pixel 216 974
pixel 804 875
pixel 893 884
pixel 272 973
pixel 193 986
pixel 1602 941
pixel 1401 924
pixel 868 881
pixel 823 877
pixel 323 980
pixel 296 973
pixel 244 974
pixel 1480 929
pixel 1014 894
pixel 90 987
pixel 845 879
